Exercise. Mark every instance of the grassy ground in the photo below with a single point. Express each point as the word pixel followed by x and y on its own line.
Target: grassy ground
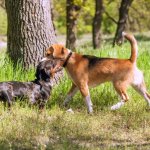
pixel 127 128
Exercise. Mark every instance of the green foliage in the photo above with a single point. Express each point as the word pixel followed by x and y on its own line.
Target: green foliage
pixel 84 22
pixel 78 2
pixel 85 18
pixel 138 16
pixel 9 73
pixel 112 8
pixel 60 16
pixel 25 127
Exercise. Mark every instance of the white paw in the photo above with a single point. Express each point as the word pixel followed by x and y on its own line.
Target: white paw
pixel 118 105
pixel 90 110
pixel 70 111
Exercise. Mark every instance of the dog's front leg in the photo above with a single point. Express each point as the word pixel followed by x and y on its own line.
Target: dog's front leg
pixel 86 95
pixel 8 97
pixel 70 94
pixel 42 103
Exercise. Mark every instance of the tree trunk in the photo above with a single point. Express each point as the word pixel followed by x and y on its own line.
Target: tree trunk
pixel 97 21
pixel 71 23
pixel 123 15
pixel 30 30
pixel 52 14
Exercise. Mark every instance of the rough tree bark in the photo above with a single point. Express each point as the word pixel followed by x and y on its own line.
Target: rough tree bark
pixel 30 31
pixel 52 14
pixel 97 21
pixel 123 15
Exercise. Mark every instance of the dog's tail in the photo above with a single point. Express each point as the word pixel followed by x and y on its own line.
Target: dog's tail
pixel 134 46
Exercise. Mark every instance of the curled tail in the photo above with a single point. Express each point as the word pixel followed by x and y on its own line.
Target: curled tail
pixel 134 46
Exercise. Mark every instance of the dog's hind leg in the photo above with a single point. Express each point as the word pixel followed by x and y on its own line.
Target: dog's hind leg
pixel 141 89
pixel 70 94
pixel 121 90
pixel 139 85
pixel 8 97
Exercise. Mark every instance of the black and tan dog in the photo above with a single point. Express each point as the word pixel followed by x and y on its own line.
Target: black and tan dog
pixel 37 91
pixel 89 71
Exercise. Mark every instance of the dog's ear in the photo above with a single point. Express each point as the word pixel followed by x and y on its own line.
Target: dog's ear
pixel 49 51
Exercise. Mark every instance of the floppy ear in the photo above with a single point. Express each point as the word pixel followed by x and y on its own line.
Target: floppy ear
pixel 49 51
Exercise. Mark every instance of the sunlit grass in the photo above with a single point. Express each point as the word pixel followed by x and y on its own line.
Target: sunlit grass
pixel 127 128
pixel 9 73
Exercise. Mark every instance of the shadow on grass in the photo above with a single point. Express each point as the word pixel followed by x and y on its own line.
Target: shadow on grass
pixel 76 143
pixel 64 132
pixel 98 143
pixel 60 140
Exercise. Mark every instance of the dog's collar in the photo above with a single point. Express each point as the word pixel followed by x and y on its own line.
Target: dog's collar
pixel 69 55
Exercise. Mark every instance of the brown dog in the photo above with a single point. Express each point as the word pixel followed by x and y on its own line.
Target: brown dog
pixel 89 71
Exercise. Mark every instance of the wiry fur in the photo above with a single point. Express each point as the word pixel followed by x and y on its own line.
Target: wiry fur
pixel 37 91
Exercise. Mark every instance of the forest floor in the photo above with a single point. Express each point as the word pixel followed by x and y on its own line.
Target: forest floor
pixel 128 128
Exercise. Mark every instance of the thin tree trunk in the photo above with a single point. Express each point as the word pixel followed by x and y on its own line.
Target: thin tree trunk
pixel 97 21
pixel 30 30
pixel 123 15
pixel 71 23
pixel 52 14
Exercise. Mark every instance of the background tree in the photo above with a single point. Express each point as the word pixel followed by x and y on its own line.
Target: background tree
pixel 123 16
pixel 137 19
pixel 30 31
pixel 73 9
pixel 97 22
pixel 52 14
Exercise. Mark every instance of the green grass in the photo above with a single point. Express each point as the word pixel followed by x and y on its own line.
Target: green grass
pixel 127 128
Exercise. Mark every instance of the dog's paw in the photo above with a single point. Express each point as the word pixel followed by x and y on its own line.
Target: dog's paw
pixel 117 106
pixel 70 111
pixel 113 107
pixel 90 110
